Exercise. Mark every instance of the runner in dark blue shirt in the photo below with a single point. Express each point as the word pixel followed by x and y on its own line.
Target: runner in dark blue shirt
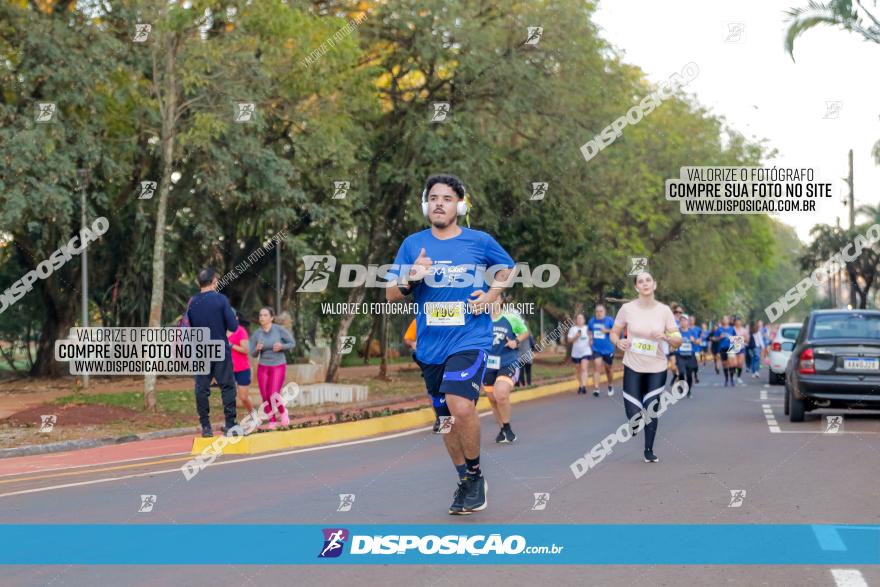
pixel 502 368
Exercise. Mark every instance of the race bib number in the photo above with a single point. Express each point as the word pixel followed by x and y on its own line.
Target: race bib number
pixel 494 362
pixel 643 346
pixel 685 347
pixel 445 313
pixel 597 334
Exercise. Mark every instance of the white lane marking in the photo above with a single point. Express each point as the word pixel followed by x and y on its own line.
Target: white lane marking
pixel 229 462
pixel 771 419
pixel 825 433
pixel 763 394
pixel 848 578
pixel 101 464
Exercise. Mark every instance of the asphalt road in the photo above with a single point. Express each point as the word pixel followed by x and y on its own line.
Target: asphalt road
pixel 721 440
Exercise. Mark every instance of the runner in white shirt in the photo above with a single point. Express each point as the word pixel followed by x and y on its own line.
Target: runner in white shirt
pixel 579 337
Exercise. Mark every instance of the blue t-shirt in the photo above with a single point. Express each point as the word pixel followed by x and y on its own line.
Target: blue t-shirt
pixel 601 343
pixel 724 343
pixel 508 327
pixel 698 333
pixel 688 347
pixel 462 260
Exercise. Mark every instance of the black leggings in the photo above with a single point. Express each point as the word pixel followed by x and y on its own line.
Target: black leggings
pixel 687 366
pixel 639 390
pixel 525 375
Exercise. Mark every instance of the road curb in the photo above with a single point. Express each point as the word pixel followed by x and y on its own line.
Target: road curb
pixel 331 433
pixel 39 449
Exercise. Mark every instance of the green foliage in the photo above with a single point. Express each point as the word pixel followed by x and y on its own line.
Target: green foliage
pixel 359 112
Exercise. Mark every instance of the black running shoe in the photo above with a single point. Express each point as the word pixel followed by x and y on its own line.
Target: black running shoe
pixel 580 390
pixel 596 392
pixel 501 438
pixel 509 435
pixel 650 457
pixel 475 494
pixel 696 378
pixel 207 433
pixel 457 507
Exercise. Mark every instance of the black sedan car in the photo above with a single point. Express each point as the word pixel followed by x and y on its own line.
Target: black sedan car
pixel 835 363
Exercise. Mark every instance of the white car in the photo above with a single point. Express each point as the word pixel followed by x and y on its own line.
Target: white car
pixel 780 350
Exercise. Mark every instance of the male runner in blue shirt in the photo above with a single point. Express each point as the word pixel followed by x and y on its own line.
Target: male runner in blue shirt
pixel 444 269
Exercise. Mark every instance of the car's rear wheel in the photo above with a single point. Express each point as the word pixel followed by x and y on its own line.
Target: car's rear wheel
pixel 776 379
pixel 797 408
pixel 786 401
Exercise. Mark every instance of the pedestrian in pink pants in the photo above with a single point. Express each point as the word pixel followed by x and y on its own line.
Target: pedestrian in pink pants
pixel 269 343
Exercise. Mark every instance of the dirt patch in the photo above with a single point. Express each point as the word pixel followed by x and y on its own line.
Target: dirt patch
pixel 88 415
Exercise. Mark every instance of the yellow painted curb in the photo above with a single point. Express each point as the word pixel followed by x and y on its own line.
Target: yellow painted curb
pixel 330 433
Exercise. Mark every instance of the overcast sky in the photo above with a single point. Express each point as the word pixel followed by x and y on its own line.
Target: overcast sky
pixel 755 86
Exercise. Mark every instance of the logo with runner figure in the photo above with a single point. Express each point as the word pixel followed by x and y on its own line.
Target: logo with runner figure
pixel 141 32
pixel 441 111
pixel 148 502
pixel 44 112
pixel 535 33
pixel 832 109
pixel 737 496
pixel 446 423
pixel 541 501
pixel 148 189
pixel 245 111
pixel 539 190
pixel 346 344
pixel 318 271
pixel 735 32
pixel 47 422
pixel 346 502
pixel 340 189
pixel 833 424
pixel 639 265
pixel 736 344
pixel 334 540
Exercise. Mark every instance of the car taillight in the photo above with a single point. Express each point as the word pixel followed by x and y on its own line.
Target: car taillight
pixel 776 346
pixel 807 365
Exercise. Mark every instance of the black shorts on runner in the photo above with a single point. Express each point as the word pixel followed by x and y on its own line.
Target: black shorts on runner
pixel 510 371
pixel 715 345
pixel 577 360
pixel 461 374
pixel 609 359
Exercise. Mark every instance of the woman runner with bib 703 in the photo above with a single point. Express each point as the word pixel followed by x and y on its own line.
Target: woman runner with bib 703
pixel 648 323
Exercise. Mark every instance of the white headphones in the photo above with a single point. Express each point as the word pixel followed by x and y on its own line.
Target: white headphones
pixel 461 207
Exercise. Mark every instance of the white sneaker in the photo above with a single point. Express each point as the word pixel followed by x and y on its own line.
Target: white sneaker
pixel 610 391
pixel 740 381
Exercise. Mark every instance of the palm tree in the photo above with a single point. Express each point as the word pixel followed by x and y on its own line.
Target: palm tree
pixel 839 13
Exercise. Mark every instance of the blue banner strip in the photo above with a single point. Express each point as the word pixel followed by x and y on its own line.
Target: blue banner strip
pixel 615 544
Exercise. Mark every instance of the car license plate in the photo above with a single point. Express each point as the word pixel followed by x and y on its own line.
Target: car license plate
pixel 861 364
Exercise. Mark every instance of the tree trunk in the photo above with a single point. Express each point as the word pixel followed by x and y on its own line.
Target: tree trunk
pixel 373 327
pixel 355 296
pixel 383 345
pixel 166 90
pixel 58 320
